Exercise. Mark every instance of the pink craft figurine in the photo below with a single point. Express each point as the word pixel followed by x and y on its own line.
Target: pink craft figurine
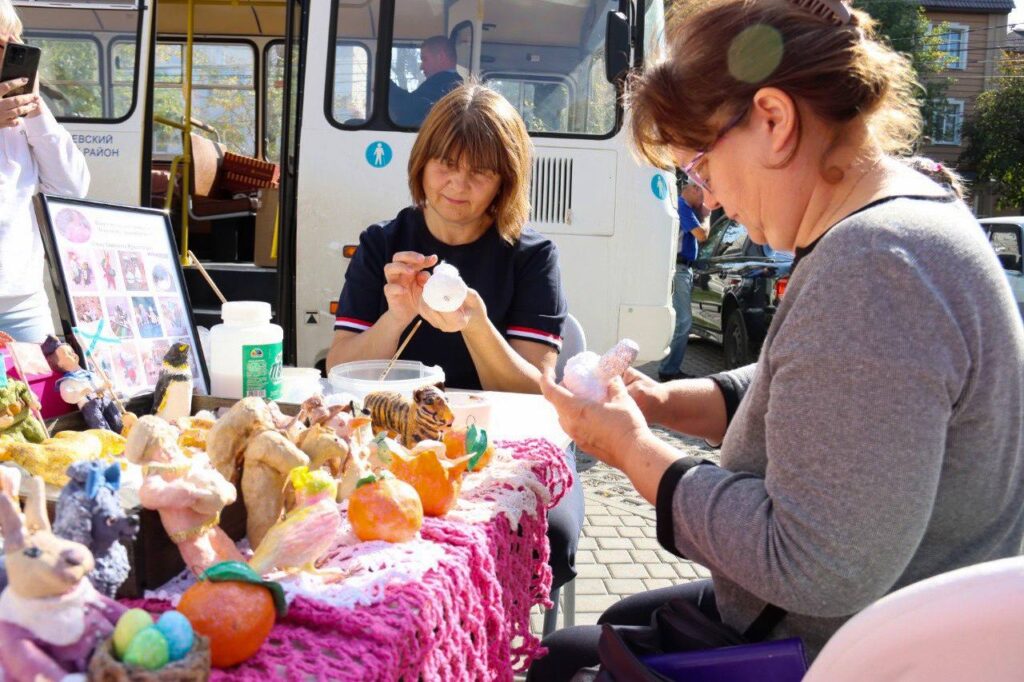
pixel 188 493
pixel 297 541
pixel 587 374
pixel 51 617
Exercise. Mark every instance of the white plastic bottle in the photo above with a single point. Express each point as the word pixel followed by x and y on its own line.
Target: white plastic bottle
pixel 246 352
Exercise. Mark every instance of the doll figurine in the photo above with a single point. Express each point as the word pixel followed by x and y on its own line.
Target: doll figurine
pixel 17 402
pixel 82 388
pixel 188 493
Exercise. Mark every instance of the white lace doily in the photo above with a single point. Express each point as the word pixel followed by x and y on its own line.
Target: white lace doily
pixel 504 486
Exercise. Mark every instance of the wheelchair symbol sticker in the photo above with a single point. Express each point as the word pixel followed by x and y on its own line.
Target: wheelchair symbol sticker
pixel 659 187
pixel 378 154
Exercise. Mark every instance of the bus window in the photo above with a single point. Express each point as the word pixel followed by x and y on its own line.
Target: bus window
pixel 76 39
pixel 70 75
pixel 351 83
pixel 122 74
pixel 542 104
pixel 354 40
pixel 223 94
pixel 546 56
pixel 273 100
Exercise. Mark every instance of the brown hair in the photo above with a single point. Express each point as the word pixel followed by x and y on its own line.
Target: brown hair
pixel 723 51
pixel 479 124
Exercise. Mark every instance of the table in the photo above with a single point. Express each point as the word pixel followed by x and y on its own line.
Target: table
pixel 467 617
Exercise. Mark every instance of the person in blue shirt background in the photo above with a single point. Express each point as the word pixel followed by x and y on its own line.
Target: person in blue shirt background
pixel 438 60
pixel 692 231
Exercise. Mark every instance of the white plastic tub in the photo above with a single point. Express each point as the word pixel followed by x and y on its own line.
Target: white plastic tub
pixel 363 376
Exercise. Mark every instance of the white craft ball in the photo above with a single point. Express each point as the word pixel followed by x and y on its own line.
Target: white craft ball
pixel 445 291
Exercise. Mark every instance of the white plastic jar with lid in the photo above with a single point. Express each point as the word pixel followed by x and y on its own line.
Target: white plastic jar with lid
pixel 246 352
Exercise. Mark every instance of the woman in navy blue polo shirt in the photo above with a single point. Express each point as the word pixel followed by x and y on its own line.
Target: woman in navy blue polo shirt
pixel 469 179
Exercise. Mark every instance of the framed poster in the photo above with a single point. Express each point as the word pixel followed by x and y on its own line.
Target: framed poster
pixel 118 281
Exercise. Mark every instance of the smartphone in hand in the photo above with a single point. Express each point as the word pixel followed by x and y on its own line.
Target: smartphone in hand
pixel 20 61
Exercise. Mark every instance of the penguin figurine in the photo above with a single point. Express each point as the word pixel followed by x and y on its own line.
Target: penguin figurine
pixel 172 397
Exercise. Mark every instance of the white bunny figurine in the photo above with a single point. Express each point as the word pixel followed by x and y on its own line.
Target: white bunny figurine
pixel 51 617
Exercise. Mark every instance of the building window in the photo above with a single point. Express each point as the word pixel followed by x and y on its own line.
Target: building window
pixel 947 120
pixel 954 44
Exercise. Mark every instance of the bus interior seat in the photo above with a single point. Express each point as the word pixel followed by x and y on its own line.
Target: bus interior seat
pixel 208 201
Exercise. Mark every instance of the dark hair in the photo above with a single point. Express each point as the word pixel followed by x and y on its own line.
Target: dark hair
pixel 440 45
pixel 478 123
pixel 721 53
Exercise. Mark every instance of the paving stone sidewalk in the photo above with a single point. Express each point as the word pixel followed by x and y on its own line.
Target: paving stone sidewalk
pixel 618 553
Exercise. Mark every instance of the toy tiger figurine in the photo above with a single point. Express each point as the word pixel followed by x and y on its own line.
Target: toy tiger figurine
pixel 425 417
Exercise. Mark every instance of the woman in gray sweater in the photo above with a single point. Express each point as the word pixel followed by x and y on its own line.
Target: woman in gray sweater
pixel 878 439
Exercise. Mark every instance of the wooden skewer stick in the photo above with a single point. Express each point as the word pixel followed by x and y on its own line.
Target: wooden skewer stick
pixel 209 280
pixel 387 370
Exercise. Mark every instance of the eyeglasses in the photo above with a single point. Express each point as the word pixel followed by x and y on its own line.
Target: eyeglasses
pixel 690 171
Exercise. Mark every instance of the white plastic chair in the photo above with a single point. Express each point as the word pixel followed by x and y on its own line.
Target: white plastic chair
pixel 961 625
pixel 574 341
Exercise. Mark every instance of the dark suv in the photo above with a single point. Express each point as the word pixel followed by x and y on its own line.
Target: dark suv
pixel 737 285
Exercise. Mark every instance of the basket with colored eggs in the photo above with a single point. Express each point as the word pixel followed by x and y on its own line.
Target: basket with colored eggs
pixel 141 650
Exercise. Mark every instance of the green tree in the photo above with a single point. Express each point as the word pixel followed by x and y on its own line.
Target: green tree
pixel 904 26
pixel 995 135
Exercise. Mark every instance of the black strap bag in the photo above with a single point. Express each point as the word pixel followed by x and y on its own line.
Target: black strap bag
pixel 679 627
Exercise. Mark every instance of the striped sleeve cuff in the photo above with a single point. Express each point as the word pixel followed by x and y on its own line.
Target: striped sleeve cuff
pixel 351 324
pixel 530 334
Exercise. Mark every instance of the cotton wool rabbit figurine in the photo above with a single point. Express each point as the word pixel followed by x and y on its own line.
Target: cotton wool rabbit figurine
pixel 51 617
pixel 588 374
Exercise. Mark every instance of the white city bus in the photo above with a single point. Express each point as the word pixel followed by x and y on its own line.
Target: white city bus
pixel 305 85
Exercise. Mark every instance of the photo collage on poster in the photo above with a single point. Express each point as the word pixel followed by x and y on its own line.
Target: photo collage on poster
pixel 122 286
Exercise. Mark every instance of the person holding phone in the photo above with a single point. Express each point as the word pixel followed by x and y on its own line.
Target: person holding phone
pixel 36 155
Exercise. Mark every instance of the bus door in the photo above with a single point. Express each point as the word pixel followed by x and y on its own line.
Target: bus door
pixel 237 85
pixel 613 221
pixel 90 79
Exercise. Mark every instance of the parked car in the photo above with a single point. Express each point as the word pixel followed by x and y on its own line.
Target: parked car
pixel 737 286
pixel 1005 236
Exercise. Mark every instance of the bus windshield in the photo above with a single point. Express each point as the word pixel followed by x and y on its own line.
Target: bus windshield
pixel 89 65
pixel 545 56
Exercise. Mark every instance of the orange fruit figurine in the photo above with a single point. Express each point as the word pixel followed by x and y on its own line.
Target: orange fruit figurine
pixel 385 508
pixel 428 470
pixel 235 608
pixel 472 441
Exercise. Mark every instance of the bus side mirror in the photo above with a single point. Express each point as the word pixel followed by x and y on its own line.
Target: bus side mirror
pixel 617 46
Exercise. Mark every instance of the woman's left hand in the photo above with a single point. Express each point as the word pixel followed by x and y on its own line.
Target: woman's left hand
pixel 608 430
pixel 472 310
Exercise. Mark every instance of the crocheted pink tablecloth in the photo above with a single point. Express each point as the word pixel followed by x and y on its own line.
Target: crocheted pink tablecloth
pixel 467 620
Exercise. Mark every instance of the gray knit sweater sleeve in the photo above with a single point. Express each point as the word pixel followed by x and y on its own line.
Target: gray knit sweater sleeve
pixel 874 445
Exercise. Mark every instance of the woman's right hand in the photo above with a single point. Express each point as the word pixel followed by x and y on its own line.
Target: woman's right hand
pixel 14 108
pixel 404 278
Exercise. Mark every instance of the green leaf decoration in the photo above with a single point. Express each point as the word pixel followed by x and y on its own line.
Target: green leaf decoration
pixel 476 445
pixel 365 480
pixel 238 572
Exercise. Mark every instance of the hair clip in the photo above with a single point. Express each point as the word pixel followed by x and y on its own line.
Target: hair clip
pixel 834 11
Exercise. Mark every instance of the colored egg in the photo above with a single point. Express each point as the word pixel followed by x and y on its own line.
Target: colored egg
pixel 128 625
pixel 177 630
pixel 148 650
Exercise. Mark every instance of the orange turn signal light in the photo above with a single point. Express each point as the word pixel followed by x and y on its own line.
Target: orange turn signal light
pixel 349 250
